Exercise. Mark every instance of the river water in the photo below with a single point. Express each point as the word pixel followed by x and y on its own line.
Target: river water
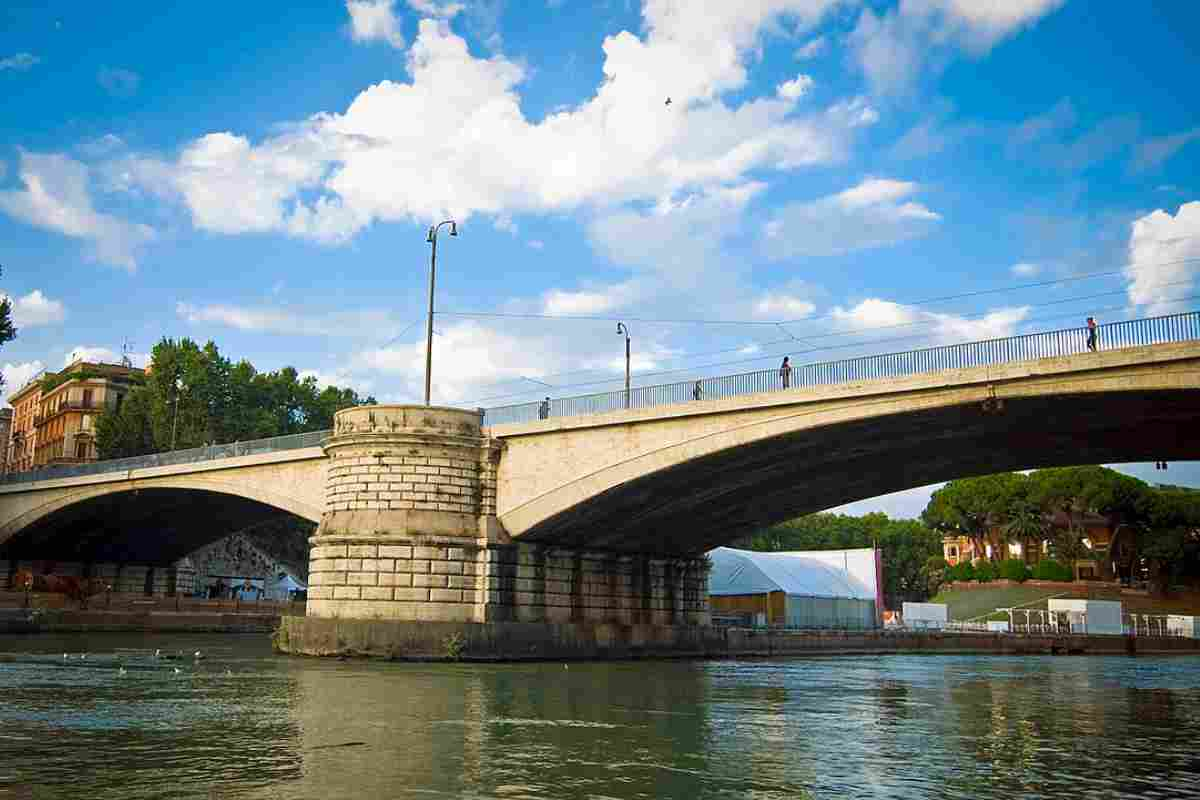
pixel 241 722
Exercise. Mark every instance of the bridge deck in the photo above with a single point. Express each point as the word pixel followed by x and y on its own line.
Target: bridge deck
pixel 1172 328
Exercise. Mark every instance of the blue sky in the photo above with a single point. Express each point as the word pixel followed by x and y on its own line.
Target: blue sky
pixel 263 175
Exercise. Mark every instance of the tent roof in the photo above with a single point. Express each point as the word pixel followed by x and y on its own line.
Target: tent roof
pixel 824 573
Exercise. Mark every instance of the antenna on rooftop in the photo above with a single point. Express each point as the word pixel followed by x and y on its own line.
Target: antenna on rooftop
pixel 126 348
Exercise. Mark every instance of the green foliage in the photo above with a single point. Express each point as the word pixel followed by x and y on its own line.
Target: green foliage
pixel 906 547
pixel 962 571
pixel 195 396
pixel 1013 569
pixel 453 646
pixel 934 572
pixel 56 379
pixel 1050 570
pixel 985 572
pixel 8 331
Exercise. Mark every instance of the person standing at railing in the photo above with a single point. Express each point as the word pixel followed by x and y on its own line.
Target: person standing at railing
pixel 697 391
pixel 544 409
pixel 785 372
pixel 1091 334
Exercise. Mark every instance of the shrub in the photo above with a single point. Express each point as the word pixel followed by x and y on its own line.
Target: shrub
pixel 962 571
pixel 1050 570
pixel 985 572
pixel 1014 569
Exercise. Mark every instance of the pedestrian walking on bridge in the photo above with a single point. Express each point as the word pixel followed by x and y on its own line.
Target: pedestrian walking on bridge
pixel 1091 334
pixel 785 372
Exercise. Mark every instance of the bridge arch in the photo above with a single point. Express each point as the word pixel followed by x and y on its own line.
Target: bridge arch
pixel 690 484
pixel 54 502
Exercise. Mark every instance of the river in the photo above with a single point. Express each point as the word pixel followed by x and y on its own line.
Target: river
pixel 241 722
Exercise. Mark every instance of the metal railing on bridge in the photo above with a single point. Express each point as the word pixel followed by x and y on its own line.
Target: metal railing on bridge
pixel 190 456
pixel 1069 341
pixel 1065 342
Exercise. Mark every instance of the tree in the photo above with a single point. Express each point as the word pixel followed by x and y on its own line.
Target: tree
pixel 1169 537
pixel 195 396
pixel 906 547
pixel 8 331
pixel 974 507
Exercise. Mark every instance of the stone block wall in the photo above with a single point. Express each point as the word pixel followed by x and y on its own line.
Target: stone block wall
pixel 429 581
pixel 410 533
pixel 533 583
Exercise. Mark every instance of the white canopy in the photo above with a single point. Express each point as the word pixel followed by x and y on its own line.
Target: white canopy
pixel 812 573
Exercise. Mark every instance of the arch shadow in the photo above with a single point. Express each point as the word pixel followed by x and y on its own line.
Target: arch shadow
pixel 721 496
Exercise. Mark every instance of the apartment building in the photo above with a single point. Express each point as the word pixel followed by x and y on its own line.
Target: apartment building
pixel 54 415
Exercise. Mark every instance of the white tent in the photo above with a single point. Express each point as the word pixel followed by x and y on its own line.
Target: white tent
pixel 824 588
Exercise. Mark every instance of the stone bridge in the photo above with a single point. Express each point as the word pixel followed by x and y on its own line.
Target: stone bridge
pixel 425 514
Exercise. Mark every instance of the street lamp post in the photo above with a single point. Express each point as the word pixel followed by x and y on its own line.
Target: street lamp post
pixel 175 417
pixel 622 328
pixel 432 239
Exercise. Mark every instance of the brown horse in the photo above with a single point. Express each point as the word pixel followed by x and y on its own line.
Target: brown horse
pixel 76 589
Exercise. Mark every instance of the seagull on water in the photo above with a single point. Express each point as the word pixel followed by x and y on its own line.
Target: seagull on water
pixel 178 670
pixel 157 653
pixel 121 671
pixel 198 655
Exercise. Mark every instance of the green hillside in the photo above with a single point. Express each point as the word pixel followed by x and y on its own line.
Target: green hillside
pixel 965 604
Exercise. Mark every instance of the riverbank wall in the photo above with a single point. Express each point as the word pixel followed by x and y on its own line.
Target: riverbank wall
pixel 515 641
pixel 25 621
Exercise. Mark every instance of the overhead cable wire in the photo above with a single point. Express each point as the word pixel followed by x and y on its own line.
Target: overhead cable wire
pixel 856 331
pixel 1124 271
pixel 763 357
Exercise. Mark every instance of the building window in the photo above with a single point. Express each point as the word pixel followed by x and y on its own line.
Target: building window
pixel 81 450
pixel 87 398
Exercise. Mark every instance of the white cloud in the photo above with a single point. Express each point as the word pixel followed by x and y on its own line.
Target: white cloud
pixel 1047 137
pixel 17 375
pixel 102 355
pixel 361 323
pixel 795 88
pixel 372 20
pixel 119 82
pixel 339 379
pixel 536 244
pixel 854 113
pixel 812 48
pixel 874 313
pixel 892 49
pixel 677 243
pixel 56 198
pixel 436 8
pixel 20 62
pixel 779 306
pixel 466 357
pixel 35 309
pixel 1163 249
pixel 455 142
pixel 1153 153
pixel 1025 269
pixel 875 213
pixel 589 301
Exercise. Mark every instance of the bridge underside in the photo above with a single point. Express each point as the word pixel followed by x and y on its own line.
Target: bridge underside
pixel 147 526
pixel 714 500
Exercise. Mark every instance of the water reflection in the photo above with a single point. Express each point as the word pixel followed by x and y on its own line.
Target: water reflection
pixel 243 722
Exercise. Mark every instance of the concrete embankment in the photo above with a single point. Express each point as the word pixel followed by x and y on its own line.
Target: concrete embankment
pixel 67 621
pixel 514 641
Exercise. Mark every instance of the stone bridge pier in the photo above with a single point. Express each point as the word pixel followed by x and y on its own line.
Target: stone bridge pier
pixel 410 534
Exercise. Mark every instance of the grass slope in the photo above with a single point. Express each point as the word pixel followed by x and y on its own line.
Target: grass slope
pixel 967 604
